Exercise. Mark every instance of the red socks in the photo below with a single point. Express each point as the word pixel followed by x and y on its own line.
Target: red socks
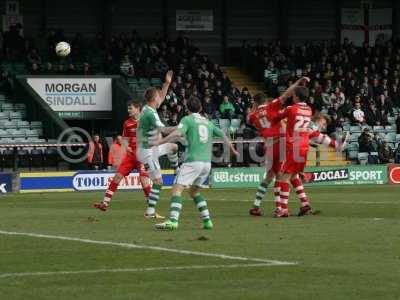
pixel 298 186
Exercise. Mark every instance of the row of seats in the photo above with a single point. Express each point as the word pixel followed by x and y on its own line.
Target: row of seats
pixel 19 133
pixel 29 158
pixel 19 124
pixel 138 86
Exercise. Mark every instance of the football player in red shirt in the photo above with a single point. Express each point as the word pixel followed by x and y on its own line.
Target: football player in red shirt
pixel 129 162
pixel 298 134
pixel 263 118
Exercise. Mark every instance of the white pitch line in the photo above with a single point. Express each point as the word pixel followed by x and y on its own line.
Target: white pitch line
pixel 177 268
pixel 156 248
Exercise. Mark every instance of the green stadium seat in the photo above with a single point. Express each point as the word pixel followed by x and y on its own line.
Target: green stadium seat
pixel 215 122
pixel 362 158
pixel 32 133
pixel 354 129
pixel 352 154
pixel 390 137
pixel 224 124
pixel 4 115
pixel 8 124
pixel 397 137
pixel 15 115
pixel 354 137
pixel 23 125
pixel 36 125
pixel 7 107
pixel 390 129
pixel 346 127
pixel 4 134
pixel 366 126
pixel 378 129
pixel 6 140
pixel 392 120
pixel 20 140
pixel 15 133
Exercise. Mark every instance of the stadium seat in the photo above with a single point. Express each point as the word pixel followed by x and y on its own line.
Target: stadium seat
pixel 392 120
pixel 15 115
pixel 346 127
pixel 20 140
pixel 378 129
pixel 23 159
pixel 7 159
pixel 354 137
pixel 390 137
pixel 224 124
pixel 3 134
pixel 7 107
pixel 15 133
pixel 37 159
pixel 355 129
pixel 23 125
pixel 390 129
pixel 8 124
pixel 366 126
pixel 397 138
pixel 215 122
pixel 6 140
pixel 51 157
pixel 31 133
pixel 36 125
pixel 362 158
pixel 4 115
pixel 352 154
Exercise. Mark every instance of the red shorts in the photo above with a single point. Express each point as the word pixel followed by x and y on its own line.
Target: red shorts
pixel 129 163
pixel 273 160
pixel 296 160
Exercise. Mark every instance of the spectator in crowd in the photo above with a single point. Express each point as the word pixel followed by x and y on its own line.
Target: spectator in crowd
pixel 164 114
pixel 35 69
pixel 209 108
pixel 366 142
pixel 87 69
pixel 116 152
pixel 396 154
pixel 95 153
pixel 385 153
pixel 372 116
pixel 358 115
pixel 227 109
pixel 125 65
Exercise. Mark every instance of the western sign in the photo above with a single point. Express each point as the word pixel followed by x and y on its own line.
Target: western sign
pixel 74 94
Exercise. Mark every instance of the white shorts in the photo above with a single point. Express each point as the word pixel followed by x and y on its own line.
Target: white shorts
pixel 149 158
pixel 193 173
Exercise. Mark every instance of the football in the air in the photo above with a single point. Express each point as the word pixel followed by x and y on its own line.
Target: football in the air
pixel 63 49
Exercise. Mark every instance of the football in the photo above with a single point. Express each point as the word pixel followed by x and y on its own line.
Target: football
pixel 63 49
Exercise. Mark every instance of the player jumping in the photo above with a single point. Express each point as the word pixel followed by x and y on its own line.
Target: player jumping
pixel 198 132
pixel 149 124
pixel 129 161
pixel 263 118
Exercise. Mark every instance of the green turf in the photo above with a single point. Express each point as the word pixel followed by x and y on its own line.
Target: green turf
pixel 350 251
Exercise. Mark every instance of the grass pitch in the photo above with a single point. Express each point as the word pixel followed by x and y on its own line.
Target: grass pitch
pixel 349 251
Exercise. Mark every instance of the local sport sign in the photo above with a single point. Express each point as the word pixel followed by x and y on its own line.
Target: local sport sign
pixel 369 174
pixel 74 94
pixel 394 174
pixel 251 177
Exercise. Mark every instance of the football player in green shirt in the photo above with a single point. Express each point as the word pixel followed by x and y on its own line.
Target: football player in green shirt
pixel 198 132
pixel 149 123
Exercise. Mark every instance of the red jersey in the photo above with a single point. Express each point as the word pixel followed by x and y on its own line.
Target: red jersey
pixel 264 119
pixel 298 121
pixel 129 131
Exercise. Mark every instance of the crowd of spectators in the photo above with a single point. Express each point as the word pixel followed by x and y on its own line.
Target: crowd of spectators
pixel 134 57
pixel 356 84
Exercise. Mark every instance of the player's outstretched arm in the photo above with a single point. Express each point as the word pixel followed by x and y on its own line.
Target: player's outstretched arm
pixel 289 92
pixel 167 130
pixel 323 139
pixel 166 84
pixel 172 137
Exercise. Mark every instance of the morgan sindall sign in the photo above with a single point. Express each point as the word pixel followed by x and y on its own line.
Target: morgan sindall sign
pixel 74 94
